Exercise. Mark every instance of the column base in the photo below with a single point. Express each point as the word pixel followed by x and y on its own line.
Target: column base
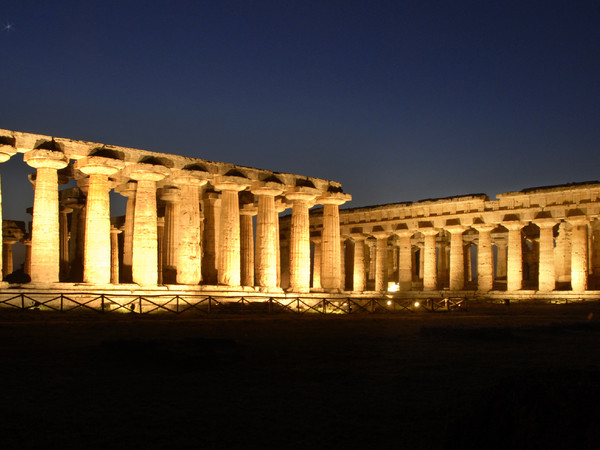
pixel 298 290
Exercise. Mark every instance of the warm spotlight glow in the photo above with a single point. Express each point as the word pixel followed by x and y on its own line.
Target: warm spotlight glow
pixel 417 304
pixel 389 302
pixel 393 287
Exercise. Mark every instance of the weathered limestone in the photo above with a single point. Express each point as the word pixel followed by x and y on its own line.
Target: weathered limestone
pixel 6 151
pixel 210 237
pixel 429 260
pixel 381 256
pixel 45 239
pixel 546 278
pixel 266 234
pixel 404 260
pixel 171 196
pixel 514 267
pixel 114 255
pixel 502 255
pixel 358 275
pixel 64 242
pixel 247 244
pixel 300 238
pixel 579 256
pixel 229 240
pixel 128 190
pixel 457 262
pixel 316 272
pixel 145 232
pixel 330 257
pixel 97 254
pixel 485 258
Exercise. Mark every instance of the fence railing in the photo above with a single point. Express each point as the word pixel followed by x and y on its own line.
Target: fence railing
pixel 208 304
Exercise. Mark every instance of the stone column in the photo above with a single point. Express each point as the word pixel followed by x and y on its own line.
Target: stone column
pixel 579 253
pixel 160 236
pixel 229 270
pixel 443 263
pixel 27 262
pixel 501 245
pixel 189 253
pixel 145 230
pixel 171 195
pixel 404 260
pixel 6 151
pixel 247 244
pixel 7 256
pixel 283 249
pixel 330 257
pixel 128 190
pixel 97 253
pixel 45 239
pixel 429 260
pixel 210 238
pixel 63 226
pixel 300 237
pixel 485 258
pixel 358 273
pixel 266 234
pixel 457 259
pixel 381 257
pixel 316 279
pixel 514 267
pixel 114 255
pixel 546 274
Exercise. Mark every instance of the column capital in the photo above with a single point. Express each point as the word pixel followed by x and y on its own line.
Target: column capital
pixel 404 233
pixel 429 231
pixel 333 198
pixel 170 194
pixel 578 220
pixel 302 193
pixel 249 209
pixel 455 229
pixel 127 189
pixel 545 222
pixel 266 188
pixel 146 172
pixel 231 183
pixel 99 165
pixel 115 230
pixel 483 227
pixel 357 237
pixel 190 177
pixel 42 158
pixel 514 225
pixel 6 151
pixel 281 206
pixel 379 235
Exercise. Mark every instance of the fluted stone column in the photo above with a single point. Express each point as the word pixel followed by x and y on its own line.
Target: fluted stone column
pixel 358 273
pixel 114 255
pixel 97 253
pixel 145 230
pixel 6 151
pixel 210 238
pixel 316 278
pixel 330 235
pixel 546 275
pixel 562 252
pixel 27 262
pixel 7 257
pixel 485 258
pixel 171 195
pixel 514 266
pixel 300 238
pixel 579 253
pixel 457 259
pixel 501 245
pixel 189 253
pixel 229 270
pixel 266 234
pixel 247 244
pixel 404 260
pixel 283 249
pixel 128 190
pixel 381 257
pixel 74 235
pixel 45 239
pixel 63 227
pixel 429 260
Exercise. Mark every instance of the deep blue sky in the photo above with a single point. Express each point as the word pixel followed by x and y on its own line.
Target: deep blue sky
pixel 397 100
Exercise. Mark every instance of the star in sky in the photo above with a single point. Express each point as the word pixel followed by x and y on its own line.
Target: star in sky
pixel 8 27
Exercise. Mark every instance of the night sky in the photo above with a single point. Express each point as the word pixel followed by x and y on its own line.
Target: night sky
pixel 397 100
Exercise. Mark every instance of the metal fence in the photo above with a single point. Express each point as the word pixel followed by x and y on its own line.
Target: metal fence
pixel 210 304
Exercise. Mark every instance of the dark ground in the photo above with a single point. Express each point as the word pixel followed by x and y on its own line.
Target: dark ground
pixel 493 377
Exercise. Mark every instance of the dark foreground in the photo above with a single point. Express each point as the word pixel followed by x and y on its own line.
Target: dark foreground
pixel 502 377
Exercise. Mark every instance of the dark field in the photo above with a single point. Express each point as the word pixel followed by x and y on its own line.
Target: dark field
pixel 501 377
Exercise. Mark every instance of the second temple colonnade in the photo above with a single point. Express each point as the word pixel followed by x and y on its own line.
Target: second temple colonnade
pixel 188 221
pixel 191 222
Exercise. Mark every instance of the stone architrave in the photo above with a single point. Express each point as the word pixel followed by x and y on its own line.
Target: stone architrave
pixel 189 253
pixel 229 269
pixel 266 255
pixel 171 195
pixel 380 260
pixel 546 272
pixel 300 237
pixel 114 255
pixel 514 266
pixel 45 237
pixel 429 259
pixel 330 256
pixel 485 258
pixel 145 230
pixel 6 151
pixel 457 259
pixel 97 252
pixel 404 259
pixel 359 273
pixel 579 253
pixel 247 244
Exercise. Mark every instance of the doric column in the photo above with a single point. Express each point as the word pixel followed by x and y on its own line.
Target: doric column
pixel 229 241
pixel 63 226
pixel 381 257
pixel 358 273
pixel 210 237
pixel 457 260
pixel 485 257
pixel 114 255
pixel 145 230
pixel 283 248
pixel 97 253
pixel 429 260
pixel 27 262
pixel 579 253
pixel 316 278
pixel 501 245
pixel 189 253
pixel 514 267
pixel 7 256
pixel 404 260
pixel 171 195
pixel 6 151
pixel 266 233
pixel 546 275
pixel 330 257
pixel 300 237
pixel 128 190
pixel 45 239
pixel 247 244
